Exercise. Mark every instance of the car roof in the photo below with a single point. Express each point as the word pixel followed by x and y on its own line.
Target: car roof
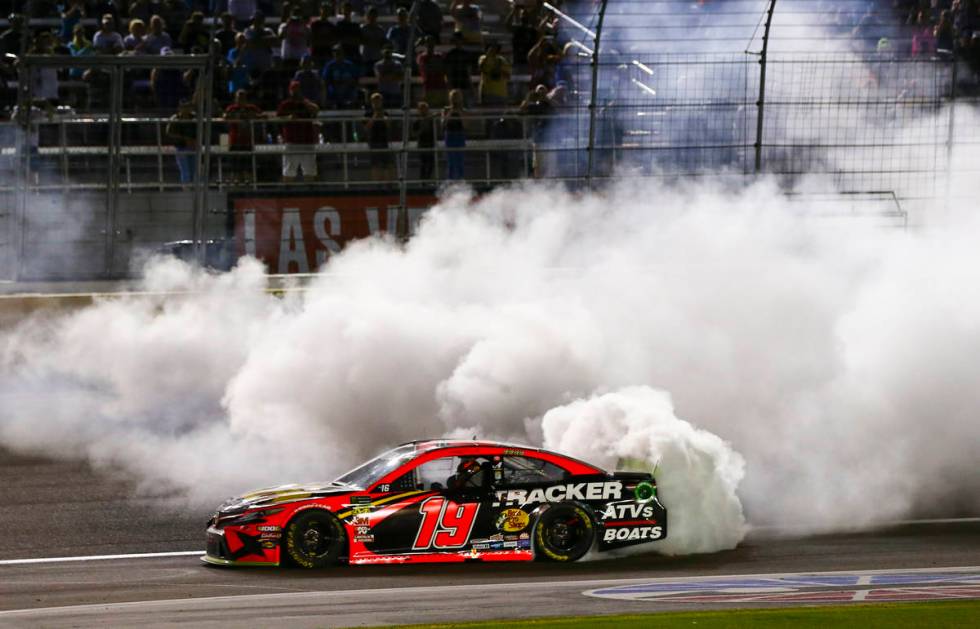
pixel 429 445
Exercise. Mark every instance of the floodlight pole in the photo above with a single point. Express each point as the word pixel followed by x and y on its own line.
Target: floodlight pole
pixel 595 91
pixel 762 88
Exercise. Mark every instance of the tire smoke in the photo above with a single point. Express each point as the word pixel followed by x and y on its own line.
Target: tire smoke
pixel 826 371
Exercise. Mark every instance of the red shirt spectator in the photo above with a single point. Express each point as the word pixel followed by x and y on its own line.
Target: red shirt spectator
pixel 238 115
pixel 303 111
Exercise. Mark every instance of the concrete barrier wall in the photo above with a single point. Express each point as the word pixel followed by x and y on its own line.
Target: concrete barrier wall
pixel 65 233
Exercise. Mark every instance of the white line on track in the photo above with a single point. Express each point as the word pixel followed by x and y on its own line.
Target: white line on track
pixel 411 592
pixel 20 562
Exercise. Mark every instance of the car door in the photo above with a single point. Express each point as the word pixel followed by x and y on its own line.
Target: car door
pixel 443 520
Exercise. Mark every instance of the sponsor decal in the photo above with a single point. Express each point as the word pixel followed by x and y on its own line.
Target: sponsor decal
pixel 523 543
pixel 363 530
pixel 496 537
pixel 364 538
pixel 512 520
pixel 600 490
pixel 510 544
pixel 362 510
pixel 626 510
pixel 632 533
pixel 524 536
pixel 360 500
pixel 297 234
pixel 269 529
pixel 513 452
pixel 481 546
pixel 268 544
pixel 360 520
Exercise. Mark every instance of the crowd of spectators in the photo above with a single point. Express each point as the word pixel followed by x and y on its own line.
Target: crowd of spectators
pixel 289 61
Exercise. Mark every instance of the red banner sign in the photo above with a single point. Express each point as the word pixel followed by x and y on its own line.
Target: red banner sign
pixel 298 234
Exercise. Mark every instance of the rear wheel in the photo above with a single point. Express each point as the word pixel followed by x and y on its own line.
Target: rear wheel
pixel 564 533
pixel 314 539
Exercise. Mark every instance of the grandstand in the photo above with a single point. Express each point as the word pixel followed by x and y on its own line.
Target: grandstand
pixel 131 110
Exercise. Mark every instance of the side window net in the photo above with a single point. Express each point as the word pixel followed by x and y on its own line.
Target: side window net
pixel 518 470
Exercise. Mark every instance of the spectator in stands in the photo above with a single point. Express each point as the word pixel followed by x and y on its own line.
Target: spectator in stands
pixel 182 131
pixel 323 33
pixel 567 66
pixel 523 34
pixel 400 35
pixel 538 108
pixel 299 134
pixel 133 42
pixel 140 10
pixel 373 40
pixel 378 131
pixel 349 34
pixel 467 19
pixel 541 61
pixel 107 41
pixel 295 35
pixel 432 67
pixel 73 14
pixel 240 65
pixel 96 7
pixel 923 37
pixel 260 40
pixel 226 33
pixel 945 33
pixel 168 85
pixel 79 46
pixel 340 77
pixel 45 84
pixel 455 136
pixel 494 77
pixel 424 131
pixel 14 40
pixel 157 39
pixel 311 84
pixel 391 77
pixel 429 20
pixel 174 14
pixel 240 117
pixel 195 36
pixel 459 66
pixel 242 11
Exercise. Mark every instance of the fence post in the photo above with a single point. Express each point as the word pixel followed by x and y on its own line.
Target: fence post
pixel 951 130
pixel 595 92
pixel 402 225
pixel 202 157
pixel 761 104
pixel 25 98
pixel 115 139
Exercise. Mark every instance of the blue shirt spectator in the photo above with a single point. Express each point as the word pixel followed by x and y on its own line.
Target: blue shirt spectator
pixel 340 77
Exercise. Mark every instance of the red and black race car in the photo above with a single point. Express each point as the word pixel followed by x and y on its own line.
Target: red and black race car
pixel 429 501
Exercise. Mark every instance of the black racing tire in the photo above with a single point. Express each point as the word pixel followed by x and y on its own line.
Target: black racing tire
pixel 314 539
pixel 565 532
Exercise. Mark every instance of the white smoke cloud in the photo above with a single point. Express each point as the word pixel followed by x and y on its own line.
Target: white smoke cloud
pixel 836 358
pixel 701 472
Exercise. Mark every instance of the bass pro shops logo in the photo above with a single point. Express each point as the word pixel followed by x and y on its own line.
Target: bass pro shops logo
pixel 606 490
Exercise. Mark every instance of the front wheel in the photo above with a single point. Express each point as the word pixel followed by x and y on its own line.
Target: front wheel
pixel 314 539
pixel 564 533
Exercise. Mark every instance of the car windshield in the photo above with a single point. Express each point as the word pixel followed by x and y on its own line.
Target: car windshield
pixel 369 473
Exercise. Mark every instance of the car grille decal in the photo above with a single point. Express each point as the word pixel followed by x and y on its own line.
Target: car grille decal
pixel 382 501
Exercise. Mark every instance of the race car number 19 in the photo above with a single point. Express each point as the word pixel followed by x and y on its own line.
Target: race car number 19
pixel 445 524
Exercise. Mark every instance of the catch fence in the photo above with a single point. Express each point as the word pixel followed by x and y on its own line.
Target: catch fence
pixel 877 127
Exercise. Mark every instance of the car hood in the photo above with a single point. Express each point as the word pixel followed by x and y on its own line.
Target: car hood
pixel 283 494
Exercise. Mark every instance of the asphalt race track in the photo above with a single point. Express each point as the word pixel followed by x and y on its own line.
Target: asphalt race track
pixel 59 510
